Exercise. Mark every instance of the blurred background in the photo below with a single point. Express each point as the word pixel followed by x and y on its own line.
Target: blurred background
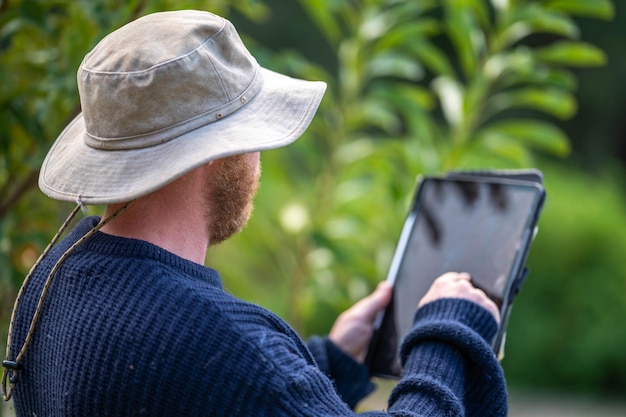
pixel 414 87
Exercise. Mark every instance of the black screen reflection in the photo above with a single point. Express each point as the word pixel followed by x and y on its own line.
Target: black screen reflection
pixel 461 226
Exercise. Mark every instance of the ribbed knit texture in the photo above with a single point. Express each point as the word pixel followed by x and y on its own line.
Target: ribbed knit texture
pixel 129 329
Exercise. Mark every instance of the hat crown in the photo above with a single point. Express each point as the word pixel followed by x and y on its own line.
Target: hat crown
pixel 166 94
pixel 161 76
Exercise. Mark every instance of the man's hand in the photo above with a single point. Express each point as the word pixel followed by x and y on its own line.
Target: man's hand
pixel 459 285
pixel 353 329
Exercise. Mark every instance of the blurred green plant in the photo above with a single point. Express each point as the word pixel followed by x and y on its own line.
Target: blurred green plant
pixel 417 87
pixel 566 331
pixel 452 74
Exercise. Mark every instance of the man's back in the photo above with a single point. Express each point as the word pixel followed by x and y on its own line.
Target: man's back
pixel 133 330
pixel 136 330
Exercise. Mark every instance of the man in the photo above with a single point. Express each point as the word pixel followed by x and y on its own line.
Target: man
pixel 121 318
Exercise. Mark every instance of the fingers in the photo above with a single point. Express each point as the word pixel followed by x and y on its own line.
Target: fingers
pixel 353 329
pixel 370 306
pixel 459 285
pixel 455 276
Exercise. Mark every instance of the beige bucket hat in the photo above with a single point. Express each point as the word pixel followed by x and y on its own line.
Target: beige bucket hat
pixel 163 95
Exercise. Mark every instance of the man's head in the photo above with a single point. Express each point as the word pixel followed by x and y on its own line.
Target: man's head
pixel 164 95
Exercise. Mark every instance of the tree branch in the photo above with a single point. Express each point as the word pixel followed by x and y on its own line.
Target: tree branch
pixel 27 184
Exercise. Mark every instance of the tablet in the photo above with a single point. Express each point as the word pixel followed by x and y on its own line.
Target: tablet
pixel 477 223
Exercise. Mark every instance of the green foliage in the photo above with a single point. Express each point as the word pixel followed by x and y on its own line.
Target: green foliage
pixel 445 74
pixel 566 329
pixel 419 87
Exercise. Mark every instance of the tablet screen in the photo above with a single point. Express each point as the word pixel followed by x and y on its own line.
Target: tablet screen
pixel 461 226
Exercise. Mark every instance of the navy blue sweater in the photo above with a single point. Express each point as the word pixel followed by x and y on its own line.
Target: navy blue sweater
pixel 129 329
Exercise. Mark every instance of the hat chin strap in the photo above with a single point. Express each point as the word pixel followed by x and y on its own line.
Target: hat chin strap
pixel 13 367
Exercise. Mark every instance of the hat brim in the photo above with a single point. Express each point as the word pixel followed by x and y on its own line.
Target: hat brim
pixel 275 117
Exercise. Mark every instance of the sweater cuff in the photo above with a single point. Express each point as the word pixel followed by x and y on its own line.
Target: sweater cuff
pixel 459 315
pixel 351 378
pixel 464 311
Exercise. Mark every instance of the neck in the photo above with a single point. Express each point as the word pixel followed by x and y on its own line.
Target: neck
pixel 172 218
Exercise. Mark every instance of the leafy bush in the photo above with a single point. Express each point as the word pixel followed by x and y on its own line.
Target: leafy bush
pixel 566 329
pixel 416 87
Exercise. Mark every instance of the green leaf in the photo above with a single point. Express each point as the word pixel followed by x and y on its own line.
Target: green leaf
pixel 255 10
pixel 465 35
pixel 520 66
pixel 553 101
pixel 432 58
pixel 404 35
pixel 451 96
pixel 507 149
pixel 325 21
pixel 531 133
pixel 375 25
pixel 481 11
pixel 527 19
pixel 9 28
pixel 291 62
pixel 350 68
pixel 476 92
pixel 407 11
pixel 406 97
pixel 424 133
pixel 371 112
pixel 519 60
pixel 574 54
pixel 397 22
pixel 393 64
pixel 601 9
pixel 494 152
pixel 541 22
pixel 559 78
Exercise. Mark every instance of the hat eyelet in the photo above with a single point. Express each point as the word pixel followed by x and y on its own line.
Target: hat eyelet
pixel 218 116
pixel 243 99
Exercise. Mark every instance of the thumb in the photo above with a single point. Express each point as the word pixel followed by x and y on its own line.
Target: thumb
pixel 371 305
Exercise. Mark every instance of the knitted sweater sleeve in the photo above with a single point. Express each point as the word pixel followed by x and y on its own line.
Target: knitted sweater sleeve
pixel 449 367
pixel 351 378
pixel 450 370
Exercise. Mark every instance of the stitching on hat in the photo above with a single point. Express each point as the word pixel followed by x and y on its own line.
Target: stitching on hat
pixel 219 77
